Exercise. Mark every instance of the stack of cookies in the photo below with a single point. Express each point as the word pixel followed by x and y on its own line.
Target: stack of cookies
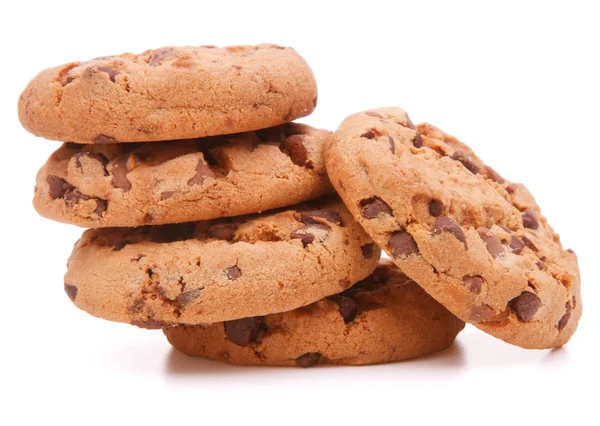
pixel 215 217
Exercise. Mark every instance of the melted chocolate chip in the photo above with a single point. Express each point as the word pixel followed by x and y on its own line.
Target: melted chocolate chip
pixel 529 219
pixel 244 331
pixel 492 243
pixel 329 215
pixel 160 55
pixel 347 307
pixel 294 147
pixel 58 186
pixel 370 134
pixel 402 244
pixel 435 208
pixel 101 206
pixel 223 231
pixel 173 232
pixel 71 291
pixel 93 155
pixel 565 318
pixel 202 172
pixel 516 245
pixel 368 250
pixel 233 273
pixel 187 297
pixel 119 172
pixel 418 141
pixel 466 160
pixel 474 283
pixel 308 359
pixel 373 207
pixel 525 305
pixel 111 72
pixel 445 224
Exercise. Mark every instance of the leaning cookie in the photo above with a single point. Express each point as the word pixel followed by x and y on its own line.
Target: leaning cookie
pixel 202 272
pixel 473 240
pixel 169 93
pixel 386 317
pixel 182 181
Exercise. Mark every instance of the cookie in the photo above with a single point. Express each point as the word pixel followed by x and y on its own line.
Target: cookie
pixel 211 271
pixel 169 93
pixel 473 240
pixel 182 181
pixel 386 317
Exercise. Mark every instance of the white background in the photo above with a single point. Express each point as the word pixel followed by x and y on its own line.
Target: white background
pixel 519 82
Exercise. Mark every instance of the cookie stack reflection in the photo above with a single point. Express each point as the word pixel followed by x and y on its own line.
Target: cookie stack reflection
pixel 212 214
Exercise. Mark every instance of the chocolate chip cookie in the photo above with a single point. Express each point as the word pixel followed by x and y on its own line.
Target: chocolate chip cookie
pixel 386 317
pixel 181 181
pixel 169 93
pixel 473 240
pixel 203 272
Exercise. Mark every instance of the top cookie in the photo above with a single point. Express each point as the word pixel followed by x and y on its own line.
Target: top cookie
pixel 169 93
pixel 473 240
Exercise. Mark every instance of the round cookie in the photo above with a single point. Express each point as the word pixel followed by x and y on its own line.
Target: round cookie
pixel 203 272
pixel 386 317
pixel 169 93
pixel 182 181
pixel 473 240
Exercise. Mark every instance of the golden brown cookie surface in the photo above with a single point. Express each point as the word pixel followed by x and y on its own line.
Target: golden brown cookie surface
pixel 473 240
pixel 383 318
pixel 169 93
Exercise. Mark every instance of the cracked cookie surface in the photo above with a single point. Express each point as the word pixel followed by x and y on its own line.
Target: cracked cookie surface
pixel 384 318
pixel 181 181
pixel 169 93
pixel 473 240
pixel 203 272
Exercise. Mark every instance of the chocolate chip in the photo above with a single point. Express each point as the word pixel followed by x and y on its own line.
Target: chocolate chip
pixel 58 186
pixel 347 307
pixel 137 257
pixel 373 207
pixel 493 175
pixel 445 224
pixel 104 139
pixel 570 251
pixel 482 313
pixel 111 72
pixel 373 114
pixel 408 123
pixel 306 237
pixel 148 218
pixel 329 215
pixel 466 160
pixel 172 232
pixel 71 291
pixel 119 172
pixel 418 141
pixel 93 155
pixel 540 264
pixel 272 134
pixel 101 206
pixel 308 359
pixel 402 245
pixel 202 172
pixel 516 245
pixel 368 250
pixel 294 147
pixel 120 244
pixel 565 318
pixel 233 273
pixel 244 331
pixel 392 144
pixel 149 324
pixel 473 283
pixel 225 231
pixel 529 219
pixel 166 195
pixel 525 305
pixel 187 297
pixel 529 243
pixel 160 55
pixel 435 208
pixel 371 134
pixel 492 243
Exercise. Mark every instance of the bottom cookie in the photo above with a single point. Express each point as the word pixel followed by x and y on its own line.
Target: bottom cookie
pixel 383 318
